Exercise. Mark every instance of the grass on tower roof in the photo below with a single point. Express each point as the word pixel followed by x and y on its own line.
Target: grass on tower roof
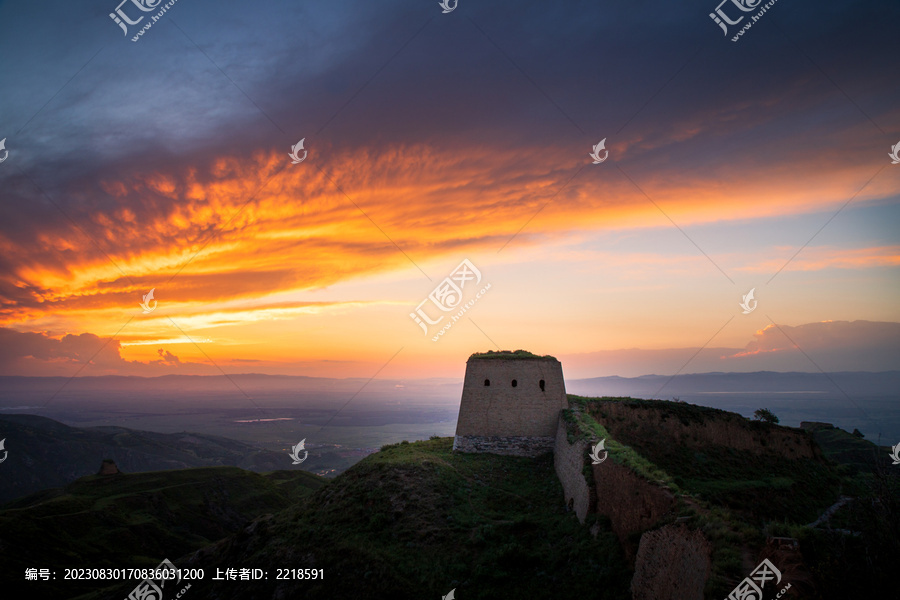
pixel 507 354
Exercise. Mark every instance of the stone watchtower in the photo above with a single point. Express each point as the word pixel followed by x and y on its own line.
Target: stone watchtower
pixel 510 404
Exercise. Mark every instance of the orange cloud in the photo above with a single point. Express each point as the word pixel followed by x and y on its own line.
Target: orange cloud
pixel 824 257
pixel 825 337
pixel 241 231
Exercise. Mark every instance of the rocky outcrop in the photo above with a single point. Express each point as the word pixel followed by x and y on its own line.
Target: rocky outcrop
pixel 672 563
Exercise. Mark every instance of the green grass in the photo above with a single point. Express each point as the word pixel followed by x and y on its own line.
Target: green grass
pixel 417 520
pixel 858 454
pixel 507 354
pixel 585 427
pixel 137 519
pixel 768 486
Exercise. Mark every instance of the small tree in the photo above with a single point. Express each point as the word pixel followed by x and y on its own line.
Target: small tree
pixel 765 415
pixel 858 433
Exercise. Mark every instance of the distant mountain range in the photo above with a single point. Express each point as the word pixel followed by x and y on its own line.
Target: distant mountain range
pixel 860 382
pixel 853 382
pixel 44 453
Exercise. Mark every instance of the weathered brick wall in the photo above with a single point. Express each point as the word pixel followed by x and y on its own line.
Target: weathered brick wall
pixel 569 460
pixel 511 445
pixel 672 563
pixel 501 410
pixel 632 503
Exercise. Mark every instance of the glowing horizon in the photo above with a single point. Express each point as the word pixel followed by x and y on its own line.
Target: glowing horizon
pixel 314 268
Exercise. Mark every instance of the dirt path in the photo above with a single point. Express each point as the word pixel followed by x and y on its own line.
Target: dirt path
pixel 830 511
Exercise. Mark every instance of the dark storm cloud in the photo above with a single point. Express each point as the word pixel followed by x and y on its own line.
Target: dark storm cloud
pixel 539 74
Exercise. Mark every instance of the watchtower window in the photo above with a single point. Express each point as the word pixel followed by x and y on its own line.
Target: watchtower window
pixel 515 383
pixel 542 385
pixel 487 383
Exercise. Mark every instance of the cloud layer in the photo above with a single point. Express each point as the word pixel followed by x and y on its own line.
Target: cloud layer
pixel 163 164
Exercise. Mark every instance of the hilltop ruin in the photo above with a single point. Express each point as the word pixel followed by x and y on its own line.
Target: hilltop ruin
pixel 510 404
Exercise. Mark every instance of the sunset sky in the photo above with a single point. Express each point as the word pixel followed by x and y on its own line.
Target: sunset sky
pixel 433 138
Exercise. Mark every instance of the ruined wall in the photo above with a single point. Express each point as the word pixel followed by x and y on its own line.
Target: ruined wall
pixel 624 419
pixel 503 410
pixel 672 563
pixel 632 503
pixel 569 460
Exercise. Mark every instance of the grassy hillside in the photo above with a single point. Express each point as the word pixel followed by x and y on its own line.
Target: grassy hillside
pixel 135 520
pixel 44 453
pixel 415 521
pixel 847 449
